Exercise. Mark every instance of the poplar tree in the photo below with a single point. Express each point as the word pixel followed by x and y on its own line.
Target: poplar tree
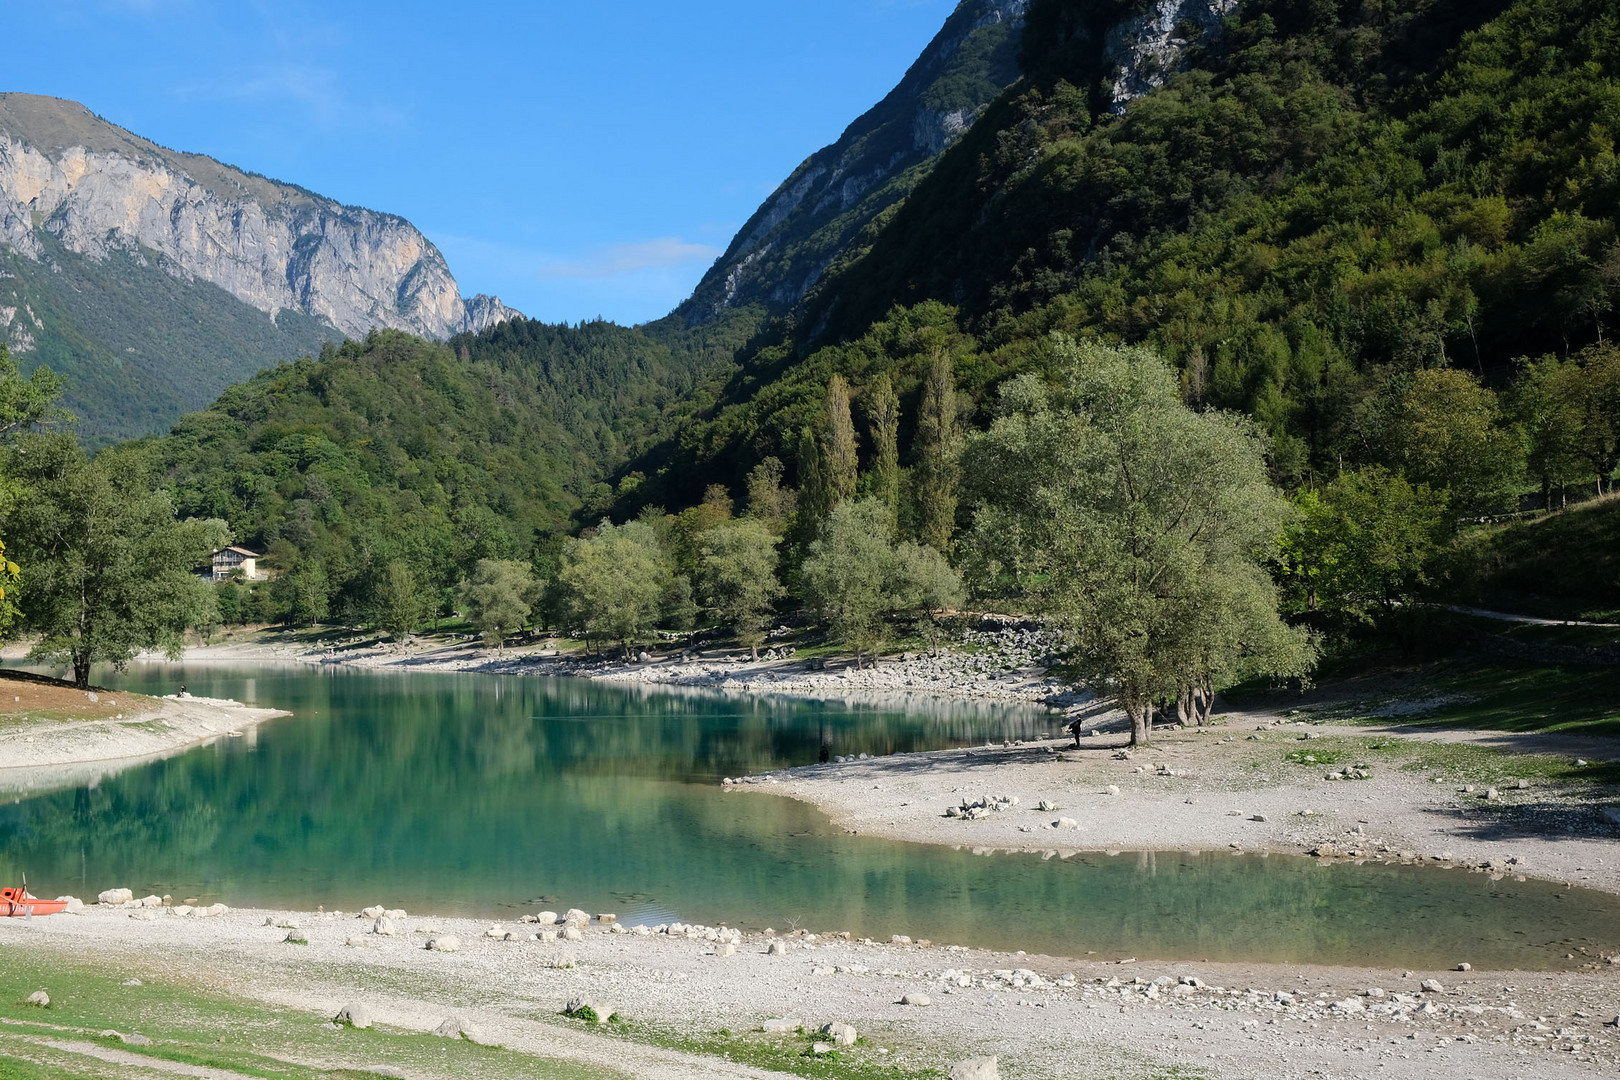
pixel 840 461
pixel 813 501
pixel 936 447
pixel 883 428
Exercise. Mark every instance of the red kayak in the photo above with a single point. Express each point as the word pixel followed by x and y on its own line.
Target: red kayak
pixel 17 902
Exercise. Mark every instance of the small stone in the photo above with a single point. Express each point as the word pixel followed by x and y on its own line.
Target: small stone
pixel 777 948
pixel 454 1027
pixel 782 1026
pixel 295 937
pixel 899 939
pixel 546 918
pixel 916 999
pixel 40 998
pixel 820 1048
pixel 384 926
pixel 1432 986
pixel 115 896
pixel 135 1038
pixel 1465 967
pixel 576 917
pixel 358 943
pixel 1523 785
pixel 1492 795
pixel 979 1068
pixel 1065 823
pixel 374 912
pixel 445 943
pixel 573 933
pixel 353 1015
pixel 1112 789
pixel 1047 806
pixel 1257 817
pixel 841 1034
pixel 607 919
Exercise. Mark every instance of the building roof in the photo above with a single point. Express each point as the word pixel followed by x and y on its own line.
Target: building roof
pixel 244 552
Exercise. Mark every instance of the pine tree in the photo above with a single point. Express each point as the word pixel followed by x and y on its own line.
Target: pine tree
pixel 840 462
pixel 883 428
pixel 936 448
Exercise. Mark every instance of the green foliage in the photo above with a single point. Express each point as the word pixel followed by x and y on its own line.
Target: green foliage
pixel 616 583
pixel 109 569
pixel 738 576
pixel 1136 525
pixel 1360 550
pixel 399 600
pixel 840 465
pixel 937 473
pixel 858 576
pixel 304 596
pixel 497 598
pixel 883 429
pixel 1445 431
pixel 1560 566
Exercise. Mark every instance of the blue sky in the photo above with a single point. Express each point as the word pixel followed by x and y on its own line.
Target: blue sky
pixel 578 159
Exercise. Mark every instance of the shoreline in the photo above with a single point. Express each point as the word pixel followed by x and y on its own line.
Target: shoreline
pixel 1202 789
pixel 675 982
pixel 47 753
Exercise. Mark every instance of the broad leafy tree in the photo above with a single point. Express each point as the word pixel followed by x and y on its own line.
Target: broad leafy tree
pixel 110 571
pixel 399 600
pixel 859 577
pixel 615 582
pixel 738 575
pixel 497 598
pixel 1137 526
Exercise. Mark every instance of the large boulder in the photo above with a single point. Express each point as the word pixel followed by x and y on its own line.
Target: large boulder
pixel 115 896
pixel 444 943
pixel 576 917
pixel 841 1034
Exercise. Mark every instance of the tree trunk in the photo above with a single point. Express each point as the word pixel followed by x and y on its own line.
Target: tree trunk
pixel 1141 715
pixel 81 670
pixel 754 648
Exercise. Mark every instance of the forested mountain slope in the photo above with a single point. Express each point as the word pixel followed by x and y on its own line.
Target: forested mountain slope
pixel 1323 197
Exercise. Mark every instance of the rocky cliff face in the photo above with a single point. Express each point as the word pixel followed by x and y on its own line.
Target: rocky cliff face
pixel 1149 46
pixel 790 241
pixel 95 189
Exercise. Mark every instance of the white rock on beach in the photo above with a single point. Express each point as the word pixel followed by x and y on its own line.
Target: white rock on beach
pixel 40 998
pixel 354 1015
pixel 384 926
pixel 445 943
pixel 454 1027
pixel 783 1026
pixel 576 917
pixel 374 912
pixel 916 999
pixel 841 1034
pixel 546 918
pixel 115 896
pixel 979 1068
pixel 75 906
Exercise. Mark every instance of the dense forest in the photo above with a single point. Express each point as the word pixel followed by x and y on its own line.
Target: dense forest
pixel 1330 197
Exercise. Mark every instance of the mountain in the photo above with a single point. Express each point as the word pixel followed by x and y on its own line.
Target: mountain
pixel 1300 204
pixel 785 247
pixel 153 279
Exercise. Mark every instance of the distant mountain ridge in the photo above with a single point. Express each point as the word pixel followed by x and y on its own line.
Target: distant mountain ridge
pixel 782 251
pixel 77 191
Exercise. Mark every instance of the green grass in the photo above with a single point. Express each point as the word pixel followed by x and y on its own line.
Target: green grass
pixel 1459 762
pixel 787 1053
pixel 203 1028
pixel 1564 565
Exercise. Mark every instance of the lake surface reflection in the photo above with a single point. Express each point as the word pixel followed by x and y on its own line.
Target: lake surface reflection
pixel 479 795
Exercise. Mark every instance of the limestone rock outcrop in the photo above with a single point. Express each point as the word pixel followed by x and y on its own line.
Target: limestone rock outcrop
pixel 96 188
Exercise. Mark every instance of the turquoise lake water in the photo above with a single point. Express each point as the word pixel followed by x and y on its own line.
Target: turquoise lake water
pixel 495 796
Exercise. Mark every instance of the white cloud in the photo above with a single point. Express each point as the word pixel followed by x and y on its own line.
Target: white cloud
pixel 619 259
